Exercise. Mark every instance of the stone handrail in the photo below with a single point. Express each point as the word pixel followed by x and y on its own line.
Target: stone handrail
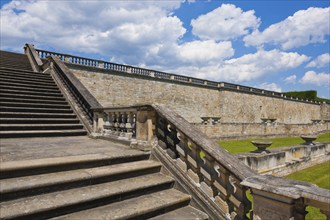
pixel 218 175
pixel 33 57
pixel 166 76
pixel 82 100
pixel 82 96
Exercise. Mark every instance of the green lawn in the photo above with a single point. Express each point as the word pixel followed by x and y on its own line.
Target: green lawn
pixel 242 146
pixel 319 175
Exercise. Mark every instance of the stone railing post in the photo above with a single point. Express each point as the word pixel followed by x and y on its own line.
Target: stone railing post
pixel 98 122
pixel 67 59
pixel 273 206
pixel 100 64
pixel 145 125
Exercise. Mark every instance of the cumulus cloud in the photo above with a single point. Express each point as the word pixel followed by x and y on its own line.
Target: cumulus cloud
pixel 247 67
pixel 290 79
pixel 303 28
pixel 125 29
pixel 321 61
pixel 270 86
pixel 319 79
pixel 224 23
pixel 204 52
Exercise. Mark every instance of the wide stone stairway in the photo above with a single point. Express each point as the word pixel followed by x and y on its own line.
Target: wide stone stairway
pixel 76 177
pixel 31 104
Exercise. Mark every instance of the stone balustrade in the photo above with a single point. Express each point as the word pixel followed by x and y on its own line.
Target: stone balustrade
pixel 162 75
pixel 120 123
pixel 286 160
pixel 220 178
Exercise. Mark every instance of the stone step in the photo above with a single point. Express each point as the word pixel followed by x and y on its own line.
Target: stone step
pixel 26 78
pixel 61 202
pixel 25 74
pixel 3 69
pixel 185 213
pixel 33 105
pixel 28 127
pixel 32 101
pixel 30 90
pixel 12 169
pixel 36 115
pixel 14 188
pixel 27 81
pixel 34 110
pixel 42 133
pixel 22 66
pixel 39 121
pixel 4 54
pixel 143 207
pixel 22 92
pixel 35 97
pixel 29 85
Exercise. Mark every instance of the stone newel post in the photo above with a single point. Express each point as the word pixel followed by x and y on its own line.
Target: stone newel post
pixel 145 125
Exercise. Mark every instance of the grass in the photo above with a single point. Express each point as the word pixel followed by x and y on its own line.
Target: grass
pixel 243 146
pixel 319 175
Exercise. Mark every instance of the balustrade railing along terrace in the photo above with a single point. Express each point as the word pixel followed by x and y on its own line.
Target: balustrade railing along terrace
pixel 217 180
pixel 217 175
pixel 162 75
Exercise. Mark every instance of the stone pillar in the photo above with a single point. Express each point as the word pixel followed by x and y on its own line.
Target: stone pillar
pixel 67 59
pixel 100 65
pixel 272 206
pixel 100 122
pixel 144 126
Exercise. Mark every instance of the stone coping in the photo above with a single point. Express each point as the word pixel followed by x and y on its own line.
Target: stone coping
pixel 100 64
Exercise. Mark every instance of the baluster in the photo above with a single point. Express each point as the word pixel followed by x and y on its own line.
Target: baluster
pixel 134 124
pixel 106 126
pixel 181 148
pixel 111 122
pixel 195 162
pixel 161 132
pixel 122 124
pixel 240 201
pixel 116 123
pixel 171 142
pixel 224 188
pixel 209 175
pixel 129 125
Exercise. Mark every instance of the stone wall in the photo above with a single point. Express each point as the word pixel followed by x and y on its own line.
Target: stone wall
pixel 123 90
pixel 287 160
pixel 238 107
pixel 244 130
pixel 241 112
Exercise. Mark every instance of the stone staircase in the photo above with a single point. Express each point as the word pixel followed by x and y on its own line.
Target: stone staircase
pixel 108 182
pixel 48 177
pixel 31 104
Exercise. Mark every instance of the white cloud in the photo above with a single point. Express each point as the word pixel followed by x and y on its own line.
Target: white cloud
pixel 321 61
pixel 124 29
pixel 245 68
pixel 204 52
pixel 224 23
pixel 303 28
pixel 314 78
pixel 270 86
pixel 290 79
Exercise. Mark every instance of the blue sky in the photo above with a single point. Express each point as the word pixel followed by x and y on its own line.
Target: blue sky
pixel 277 45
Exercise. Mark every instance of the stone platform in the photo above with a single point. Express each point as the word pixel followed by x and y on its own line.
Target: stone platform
pixel 55 147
